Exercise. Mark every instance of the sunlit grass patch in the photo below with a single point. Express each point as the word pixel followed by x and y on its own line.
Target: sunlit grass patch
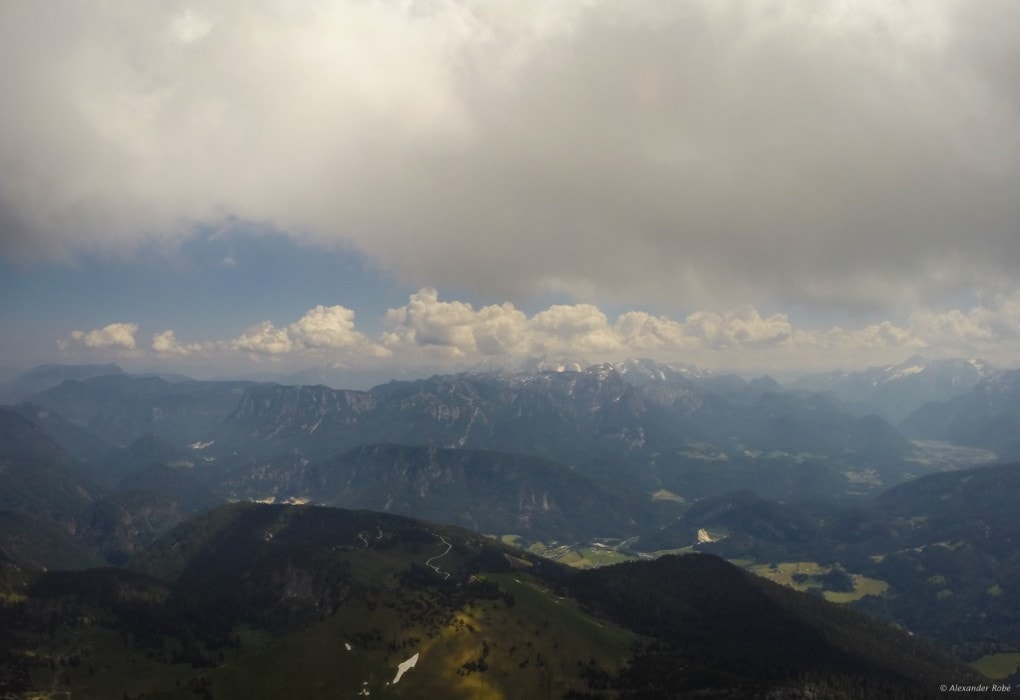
pixel 997 666
pixel 863 586
pixel 806 575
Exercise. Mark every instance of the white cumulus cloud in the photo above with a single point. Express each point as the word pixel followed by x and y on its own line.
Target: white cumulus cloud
pixel 166 343
pixel 116 336
pixel 325 329
pixel 265 339
pixel 455 328
pixel 330 328
pixel 580 329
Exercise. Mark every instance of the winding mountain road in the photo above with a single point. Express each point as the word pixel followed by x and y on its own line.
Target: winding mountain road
pixel 428 562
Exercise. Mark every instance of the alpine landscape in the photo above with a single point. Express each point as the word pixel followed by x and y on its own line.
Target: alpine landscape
pixel 545 532
pixel 509 350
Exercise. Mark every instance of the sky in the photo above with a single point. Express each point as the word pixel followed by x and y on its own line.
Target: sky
pixel 782 185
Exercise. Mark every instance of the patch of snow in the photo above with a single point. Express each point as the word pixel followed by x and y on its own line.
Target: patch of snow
pixel 404 667
pixel 201 445
pixel 866 476
pixel 907 371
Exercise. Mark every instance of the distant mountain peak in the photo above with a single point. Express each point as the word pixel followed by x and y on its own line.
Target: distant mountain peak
pixel 48 376
pixel 639 371
pixel 548 363
pixel 896 391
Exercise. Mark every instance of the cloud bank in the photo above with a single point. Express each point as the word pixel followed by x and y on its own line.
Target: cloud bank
pixel 837 155
pixel 455 336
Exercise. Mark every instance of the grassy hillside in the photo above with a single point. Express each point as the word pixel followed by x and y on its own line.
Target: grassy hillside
pixel 277 601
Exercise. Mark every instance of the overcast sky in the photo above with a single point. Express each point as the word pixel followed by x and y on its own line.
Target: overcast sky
pixel 792 185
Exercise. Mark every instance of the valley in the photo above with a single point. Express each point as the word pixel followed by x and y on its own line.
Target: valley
pixel 830 582
pixel 529 492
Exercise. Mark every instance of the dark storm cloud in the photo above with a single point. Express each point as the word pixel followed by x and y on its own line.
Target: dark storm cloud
pixel 851 155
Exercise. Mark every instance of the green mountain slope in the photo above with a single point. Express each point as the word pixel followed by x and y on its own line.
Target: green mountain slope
pixel 281 602
pixel 37 476
pixel 65 519
pixel 39 544
pixel 485 491
pixel 722 622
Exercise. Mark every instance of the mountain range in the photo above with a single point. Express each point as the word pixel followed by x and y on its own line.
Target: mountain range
pixel 663 434
pixel 987 416
pixel 589 465
pixel 524 453
pixel 897 391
